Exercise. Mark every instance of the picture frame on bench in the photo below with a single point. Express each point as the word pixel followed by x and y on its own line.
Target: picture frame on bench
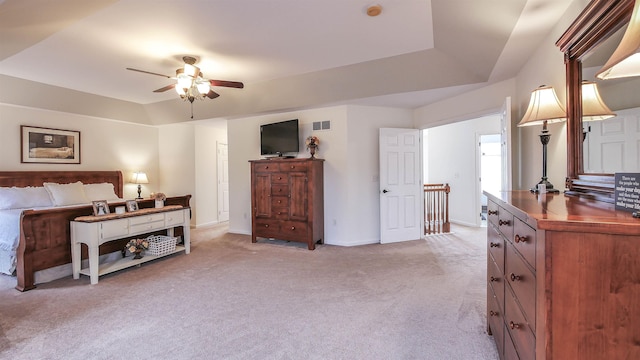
pixel 132 205
pixel 100 207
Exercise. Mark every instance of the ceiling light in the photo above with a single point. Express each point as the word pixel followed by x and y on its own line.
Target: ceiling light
pixel 625 61
pixel 374 10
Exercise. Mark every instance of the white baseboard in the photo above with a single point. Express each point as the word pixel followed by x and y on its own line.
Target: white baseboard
pixel 238 231
pixel 211 223
pixel 355 243
pixel 464 223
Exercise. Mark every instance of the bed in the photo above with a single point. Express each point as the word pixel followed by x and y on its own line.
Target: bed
pixel 44 235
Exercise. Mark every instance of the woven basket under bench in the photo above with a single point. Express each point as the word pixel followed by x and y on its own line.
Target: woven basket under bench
pixel 161 244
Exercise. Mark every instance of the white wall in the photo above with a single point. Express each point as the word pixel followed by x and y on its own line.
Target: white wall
pixel 105 144
pixel 452 158
pixel 177 146
pixel 206 171
pixel 350 151
pixel 362 203
pixel 244 145
pixel 545 67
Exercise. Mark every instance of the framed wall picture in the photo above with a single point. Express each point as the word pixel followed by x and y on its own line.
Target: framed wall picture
pixel 51 146
pixel 132 205
pixel 100 207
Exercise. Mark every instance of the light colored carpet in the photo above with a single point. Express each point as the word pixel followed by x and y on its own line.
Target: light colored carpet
pixel 231 299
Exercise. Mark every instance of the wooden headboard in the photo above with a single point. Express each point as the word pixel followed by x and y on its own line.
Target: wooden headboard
pixel 37 178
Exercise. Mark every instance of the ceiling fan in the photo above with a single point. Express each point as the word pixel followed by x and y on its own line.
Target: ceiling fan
pixel 191 84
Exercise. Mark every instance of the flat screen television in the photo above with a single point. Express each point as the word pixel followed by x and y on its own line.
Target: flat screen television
pixel 279 138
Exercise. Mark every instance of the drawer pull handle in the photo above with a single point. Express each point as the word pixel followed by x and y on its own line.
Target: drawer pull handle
pixel 493 212
pixel 503 222
pixel 293 167
pixel 293 228
pixel 493 313
pixel 266 167
pixel 266 225
pixel 513 325
pixel 494 279
pixel 515 277
pixel 519 239
pixel 494 244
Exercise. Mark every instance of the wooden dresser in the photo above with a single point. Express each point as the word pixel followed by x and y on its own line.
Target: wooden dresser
pixel 287 200
pixel 563 278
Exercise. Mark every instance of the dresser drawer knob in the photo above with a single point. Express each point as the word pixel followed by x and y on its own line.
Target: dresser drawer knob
pixel 515 277
pixel 503 222
pixel 293 228
pixel 513 325
pixel 494 279
pixel 266 225
pixel 494 244
pixel 492 212
pixel 519 239
pixel 493 313
pixel 279 177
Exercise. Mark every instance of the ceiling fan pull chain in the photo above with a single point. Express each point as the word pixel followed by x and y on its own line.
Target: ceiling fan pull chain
pixel 192 110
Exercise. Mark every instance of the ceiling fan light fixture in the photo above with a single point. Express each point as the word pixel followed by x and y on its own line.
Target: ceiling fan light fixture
pixel 191 70
pixel 184 81
pixel 203 87
pixel 180 91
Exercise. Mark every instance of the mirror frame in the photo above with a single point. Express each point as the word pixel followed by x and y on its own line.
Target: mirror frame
pixel 599 20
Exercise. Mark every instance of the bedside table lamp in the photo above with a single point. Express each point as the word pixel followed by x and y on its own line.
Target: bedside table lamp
pixel 139 178
pixel 544 108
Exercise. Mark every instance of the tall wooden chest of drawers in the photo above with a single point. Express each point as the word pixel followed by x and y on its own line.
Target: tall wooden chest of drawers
pixel 563 278
pixel 287 200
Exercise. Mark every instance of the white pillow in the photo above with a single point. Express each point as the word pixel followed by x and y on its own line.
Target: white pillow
pixel 24 198
pixel 102 191
pixel 66 194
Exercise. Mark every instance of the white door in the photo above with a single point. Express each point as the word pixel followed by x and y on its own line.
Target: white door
pixel 611 145
pixel 401 190
pixel 223 182
pixel 505 144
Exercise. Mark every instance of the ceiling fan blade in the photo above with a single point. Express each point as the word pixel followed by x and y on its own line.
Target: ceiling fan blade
pixel 232 84
pixel 149 72
pixel 212 94
pixel 163 89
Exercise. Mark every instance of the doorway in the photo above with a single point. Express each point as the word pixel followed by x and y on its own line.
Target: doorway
pixel 223 181
pixel 490 161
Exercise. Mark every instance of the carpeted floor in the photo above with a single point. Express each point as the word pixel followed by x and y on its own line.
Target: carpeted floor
pixel 231 299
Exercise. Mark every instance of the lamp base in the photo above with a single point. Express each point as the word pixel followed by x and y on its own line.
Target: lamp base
pixel 548 185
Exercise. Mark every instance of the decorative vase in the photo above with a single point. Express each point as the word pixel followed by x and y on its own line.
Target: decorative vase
pixel 312 150
pixel 138 254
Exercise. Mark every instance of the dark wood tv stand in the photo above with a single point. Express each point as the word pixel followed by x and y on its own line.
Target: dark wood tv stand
pixel 287 200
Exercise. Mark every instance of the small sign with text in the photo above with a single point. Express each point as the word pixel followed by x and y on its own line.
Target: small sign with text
pixel 627 191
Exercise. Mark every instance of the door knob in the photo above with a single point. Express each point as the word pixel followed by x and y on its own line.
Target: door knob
pixel 385 191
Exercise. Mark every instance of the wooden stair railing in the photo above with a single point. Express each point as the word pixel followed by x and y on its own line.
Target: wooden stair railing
pixel 436 209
